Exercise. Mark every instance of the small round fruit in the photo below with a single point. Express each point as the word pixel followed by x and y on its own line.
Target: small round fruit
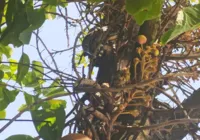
pixel 155 52
pixel 141 39
pixel 139 50
pixel 136 60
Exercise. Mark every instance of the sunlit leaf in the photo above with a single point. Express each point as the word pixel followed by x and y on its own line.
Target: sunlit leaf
pixel 22 107
pixel 38 69
pixel 2 114
pixel 13 65
pixel 4 67
pixel 54 104
pixel 49 12
pixel 9 76
pixel 6 50
pixel 62 3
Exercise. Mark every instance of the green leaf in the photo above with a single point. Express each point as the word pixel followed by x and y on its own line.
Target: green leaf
pixel 50 9
pixel 20 137
pixel 13 65
pixel 4 67
pixel 50 2
pixel 30 99
pixel 30 80
pixel 33 79
pixel 21 19
pixel 62 3
pixel 23 67
pixel 143 10
pixel 2 114
pixel 54 104
pixel 36 18
pixel 9 76
pixel 83 61
pixel 187 19
pixel 25 36
pixel 53 125
pixel 10 12
pixel 17 22
pixel 6 97
pixel 1 74
pixel 38 69
pixel 22 107
pixel 6 50
pixel 53 89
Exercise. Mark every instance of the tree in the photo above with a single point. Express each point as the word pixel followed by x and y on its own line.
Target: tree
pixel 144 51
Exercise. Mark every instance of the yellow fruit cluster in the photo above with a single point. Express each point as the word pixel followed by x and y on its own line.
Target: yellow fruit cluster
pixel 148 60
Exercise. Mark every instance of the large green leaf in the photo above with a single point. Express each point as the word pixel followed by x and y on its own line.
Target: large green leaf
pixel 17 22
pixel 23 67
pixel 143 10
pixel 54 120
pixel 20 137
pixel 36 18
pixel 6 97
pixel 188 19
